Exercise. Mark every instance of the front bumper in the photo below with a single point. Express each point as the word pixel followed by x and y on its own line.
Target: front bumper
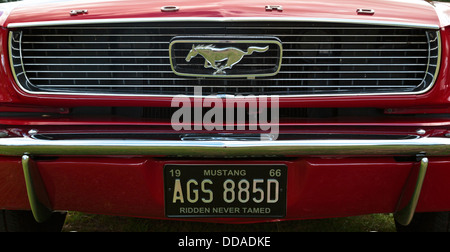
pixel 302 151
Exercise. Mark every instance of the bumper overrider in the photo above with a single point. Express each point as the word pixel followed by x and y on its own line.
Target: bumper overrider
pixel 27 148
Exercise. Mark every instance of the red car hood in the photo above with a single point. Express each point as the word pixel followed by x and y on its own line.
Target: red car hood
pixel 52 11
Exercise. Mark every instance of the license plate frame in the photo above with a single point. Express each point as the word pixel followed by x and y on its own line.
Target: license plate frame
pixel 210 190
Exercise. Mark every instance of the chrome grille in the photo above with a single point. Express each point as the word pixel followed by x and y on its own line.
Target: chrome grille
pixel 133 59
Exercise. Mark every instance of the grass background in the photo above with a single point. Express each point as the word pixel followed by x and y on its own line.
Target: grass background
pixel 80 222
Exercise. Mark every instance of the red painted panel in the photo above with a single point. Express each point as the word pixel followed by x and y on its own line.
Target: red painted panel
pixel 13 193
pixel 415 12
pixel 436 187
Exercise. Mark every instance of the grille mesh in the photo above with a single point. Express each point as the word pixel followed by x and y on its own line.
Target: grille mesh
pixel 133 59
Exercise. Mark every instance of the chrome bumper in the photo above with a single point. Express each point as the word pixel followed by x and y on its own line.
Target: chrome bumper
pixel 434 146
pixel 28 147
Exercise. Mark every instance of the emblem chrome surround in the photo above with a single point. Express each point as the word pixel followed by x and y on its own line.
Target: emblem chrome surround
pixel 220 57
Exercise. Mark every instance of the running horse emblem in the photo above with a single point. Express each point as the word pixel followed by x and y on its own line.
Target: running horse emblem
pixel 215 57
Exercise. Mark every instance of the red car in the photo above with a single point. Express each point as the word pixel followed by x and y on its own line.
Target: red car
pixel 224 111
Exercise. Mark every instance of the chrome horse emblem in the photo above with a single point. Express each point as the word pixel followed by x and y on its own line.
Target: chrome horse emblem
pixel 215 57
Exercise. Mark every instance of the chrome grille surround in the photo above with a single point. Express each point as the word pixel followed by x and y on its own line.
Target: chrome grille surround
pixel 319 59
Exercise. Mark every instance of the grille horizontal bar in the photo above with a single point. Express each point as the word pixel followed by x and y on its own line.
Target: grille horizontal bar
pixel 133 59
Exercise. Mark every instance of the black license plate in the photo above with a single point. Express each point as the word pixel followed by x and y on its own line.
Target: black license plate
pixel 225 190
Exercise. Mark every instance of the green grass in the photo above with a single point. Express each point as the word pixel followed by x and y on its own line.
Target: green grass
pixel 80 222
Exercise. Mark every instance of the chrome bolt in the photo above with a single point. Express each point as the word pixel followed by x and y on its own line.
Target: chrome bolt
pixel 421 132
pixel 32 132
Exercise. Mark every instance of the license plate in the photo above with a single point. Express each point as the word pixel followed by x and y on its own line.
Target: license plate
pixel 225 190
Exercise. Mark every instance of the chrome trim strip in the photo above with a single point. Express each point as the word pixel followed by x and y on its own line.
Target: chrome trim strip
pixel 220 19
pixel 18 146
